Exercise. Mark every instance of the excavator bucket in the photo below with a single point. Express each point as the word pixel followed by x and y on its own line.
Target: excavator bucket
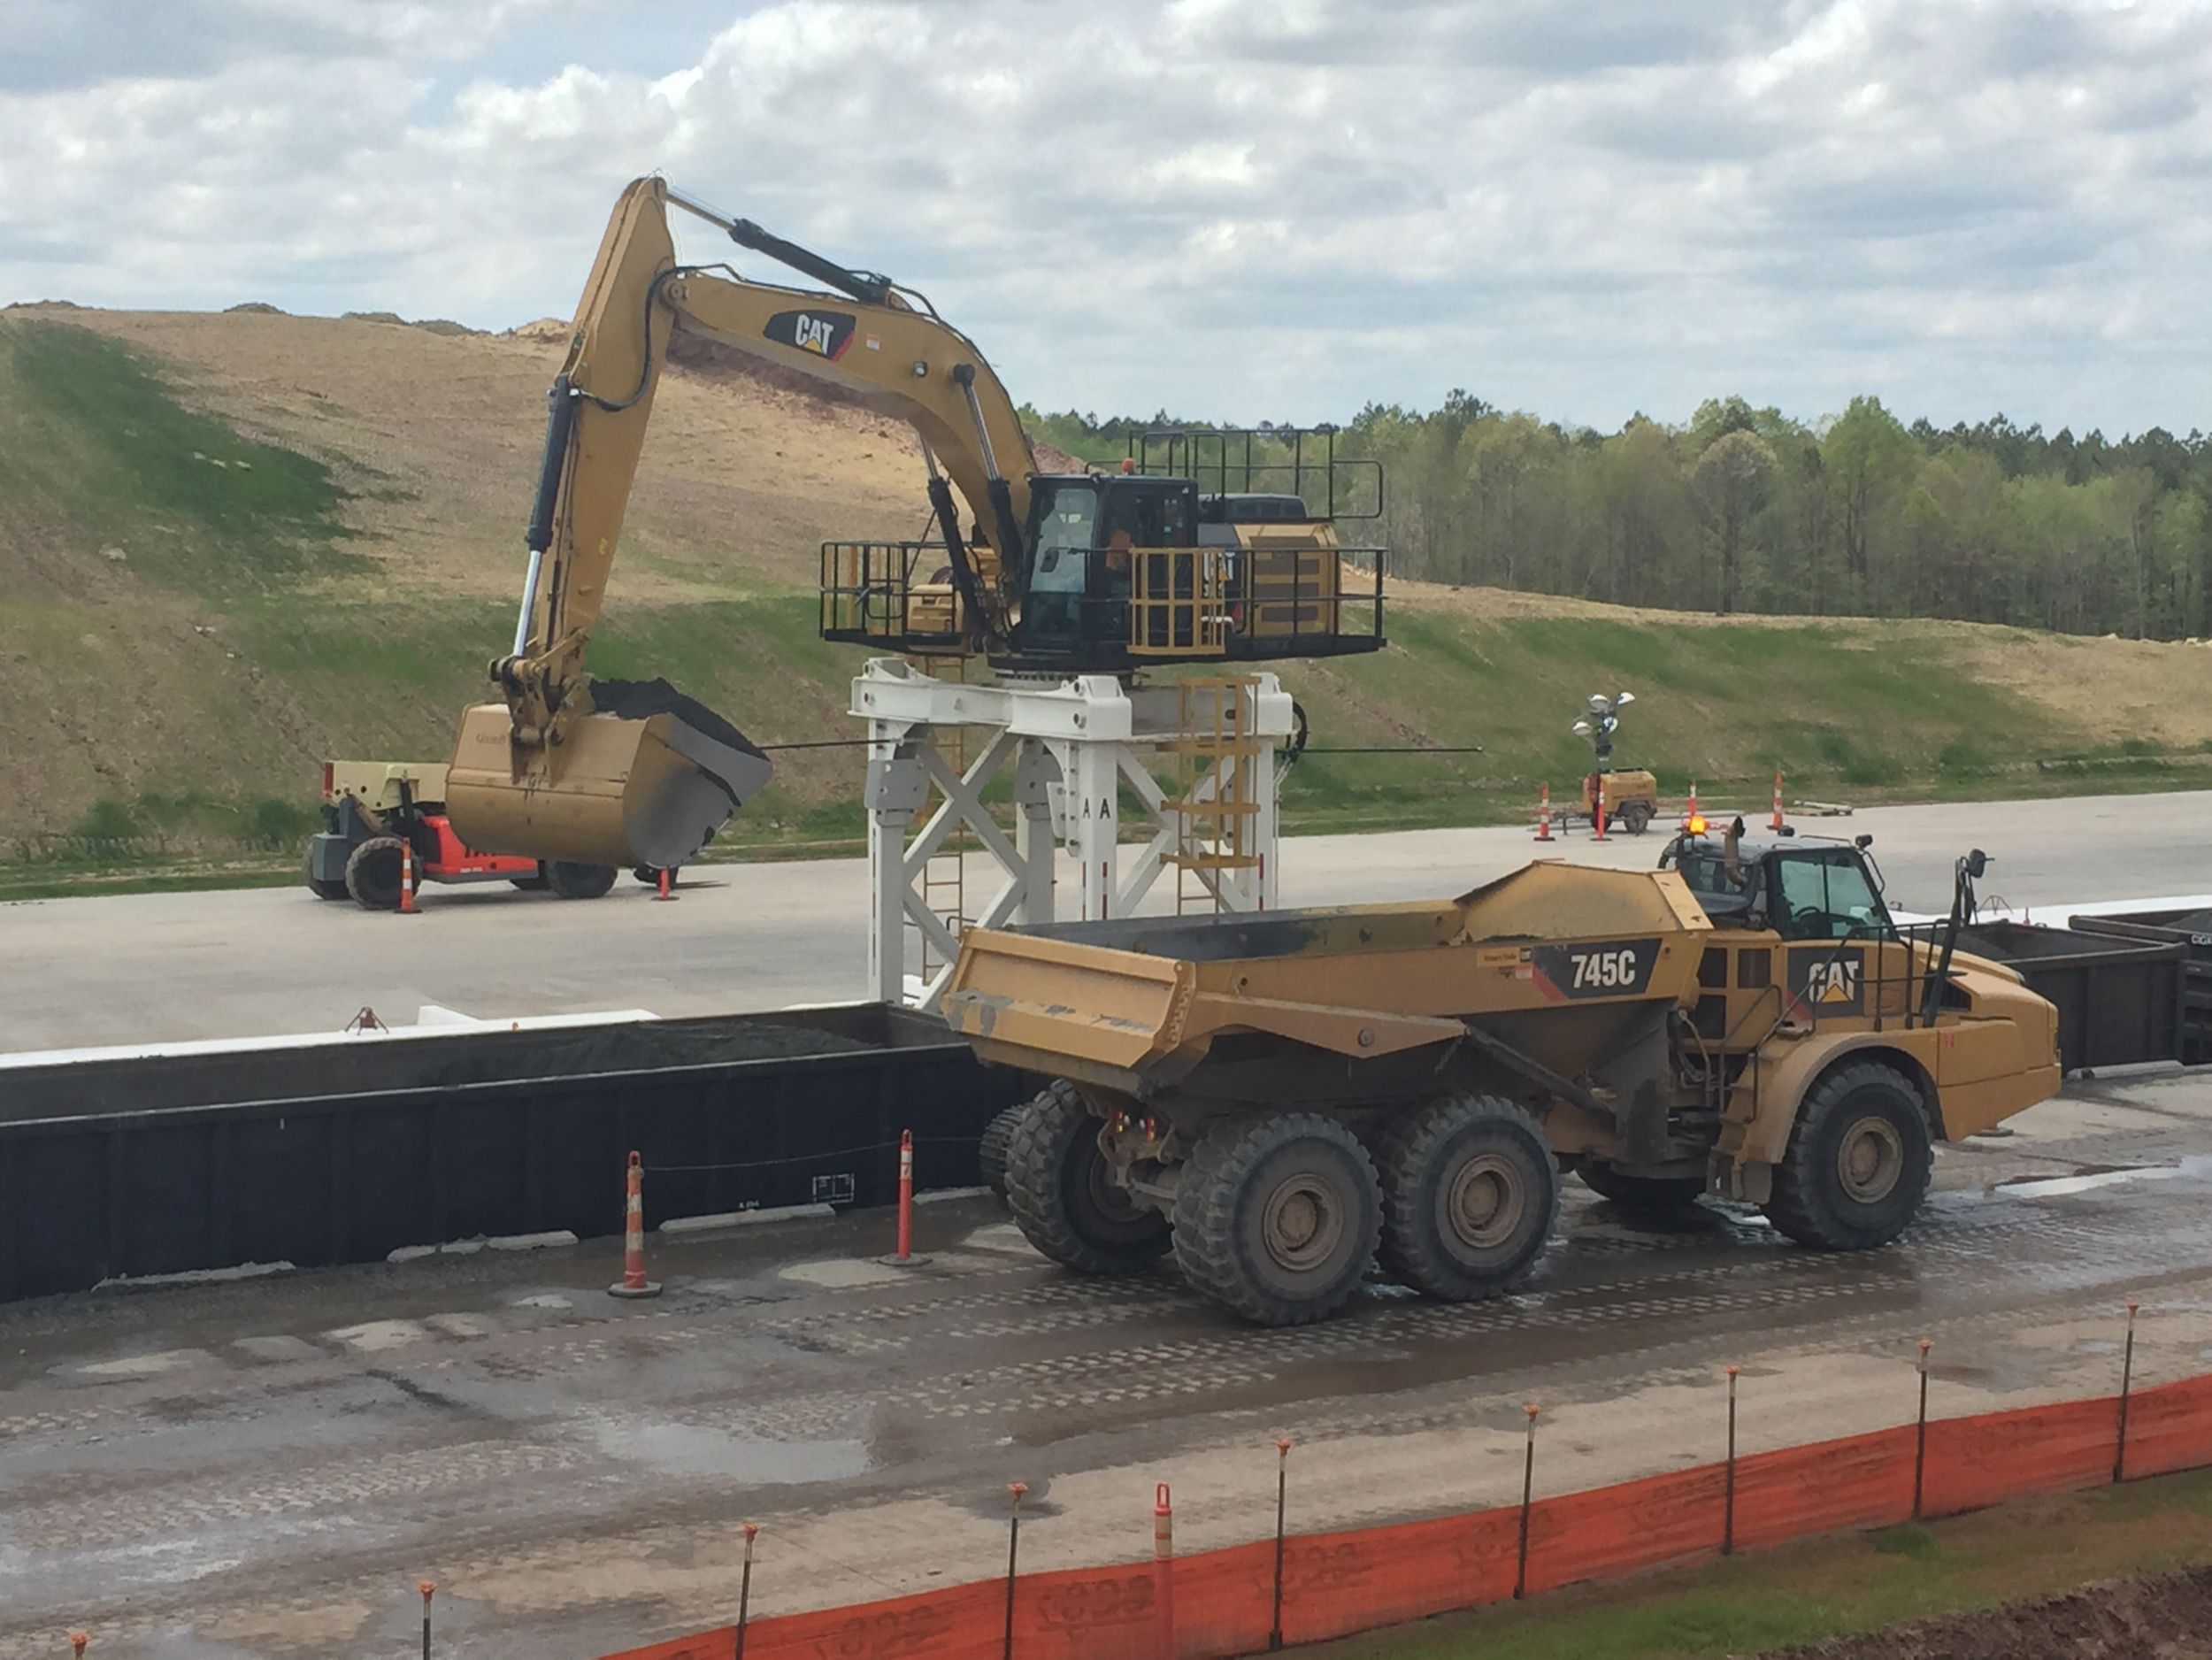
pixel 645 779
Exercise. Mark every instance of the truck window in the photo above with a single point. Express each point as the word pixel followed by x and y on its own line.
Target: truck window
pixel 1827 899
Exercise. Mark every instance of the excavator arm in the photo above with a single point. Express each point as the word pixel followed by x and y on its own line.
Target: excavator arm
pixel 621 773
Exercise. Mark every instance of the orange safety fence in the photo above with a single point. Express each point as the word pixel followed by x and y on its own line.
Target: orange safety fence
pixel 2170 1429
pixel 1979 1461
pixel 1336 1584
pixel 1859 1481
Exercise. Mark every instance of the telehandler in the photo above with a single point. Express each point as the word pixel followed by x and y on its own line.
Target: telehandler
pixel 372 808
pixel 1282 1100
pixel 1058 574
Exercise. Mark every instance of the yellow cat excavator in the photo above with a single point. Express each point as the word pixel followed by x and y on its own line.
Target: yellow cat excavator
pixel 1061 573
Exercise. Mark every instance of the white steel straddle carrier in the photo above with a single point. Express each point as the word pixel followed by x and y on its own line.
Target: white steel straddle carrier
pixel 1076 748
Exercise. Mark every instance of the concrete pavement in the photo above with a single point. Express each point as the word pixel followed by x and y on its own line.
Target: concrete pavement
pixel 261 960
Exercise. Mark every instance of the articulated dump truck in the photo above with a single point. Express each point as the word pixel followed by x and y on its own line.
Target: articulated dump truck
pixel 1284 1101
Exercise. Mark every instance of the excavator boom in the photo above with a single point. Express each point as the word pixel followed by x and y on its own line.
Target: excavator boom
pixel 623 772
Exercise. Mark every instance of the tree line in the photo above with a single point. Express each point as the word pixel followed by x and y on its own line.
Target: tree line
pixel 1747 510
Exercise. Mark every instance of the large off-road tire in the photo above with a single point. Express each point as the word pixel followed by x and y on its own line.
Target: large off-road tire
pixel 1649 1195
pixel 990 1152
pixel 373 873
pixel 578 881
pixel 1277 1218
pixel 1061 1196
pixel 1471 1192
pixel 1859 1161
pixel 319 887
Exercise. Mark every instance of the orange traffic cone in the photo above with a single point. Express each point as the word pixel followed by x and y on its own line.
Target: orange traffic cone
pixel 1543 815
pixel 633 1282
pixel 406 877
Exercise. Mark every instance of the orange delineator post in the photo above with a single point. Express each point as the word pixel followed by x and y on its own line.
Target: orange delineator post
pixel 1163 1573
pixel 1543 814
pixel 406 877
pixel 633 1282
pixel 904 1257
pixel 1597 815
pixel 667 888
pixel 1689 813
pixel 1776 824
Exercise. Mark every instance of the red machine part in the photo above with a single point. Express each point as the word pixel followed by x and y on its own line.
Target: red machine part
pixel 455 858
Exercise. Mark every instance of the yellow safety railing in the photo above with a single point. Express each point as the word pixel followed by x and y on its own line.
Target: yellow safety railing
pixel 1177 605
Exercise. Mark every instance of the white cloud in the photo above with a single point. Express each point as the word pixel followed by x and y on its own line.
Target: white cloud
pixel 1253 211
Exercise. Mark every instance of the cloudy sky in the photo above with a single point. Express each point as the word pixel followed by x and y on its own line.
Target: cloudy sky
pixel 1241 209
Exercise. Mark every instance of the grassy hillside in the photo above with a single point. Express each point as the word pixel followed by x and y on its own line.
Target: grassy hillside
pixel 235 544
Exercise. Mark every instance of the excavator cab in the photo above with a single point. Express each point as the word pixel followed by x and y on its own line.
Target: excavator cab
pixel 1090 538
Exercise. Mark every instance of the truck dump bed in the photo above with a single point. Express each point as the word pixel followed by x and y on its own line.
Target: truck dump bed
pixel 1559 964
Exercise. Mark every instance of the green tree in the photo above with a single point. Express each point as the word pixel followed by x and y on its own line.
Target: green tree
pixel 1731 483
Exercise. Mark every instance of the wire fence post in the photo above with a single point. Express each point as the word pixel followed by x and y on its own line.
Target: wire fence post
pixel 1728 1504
pixel 1015 1489
pixel 745 1589
pixel 2127 1382
pixel 429 1588
pixel 1528 1494
pixel 1282 1493
pixel 1920 1438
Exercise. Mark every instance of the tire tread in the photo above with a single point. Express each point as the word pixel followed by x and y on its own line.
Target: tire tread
pixel 1206 1248
pixel 1795 1207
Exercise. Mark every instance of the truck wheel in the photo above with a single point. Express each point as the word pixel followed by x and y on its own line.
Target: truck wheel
pixel 1278 1217
pixel 578 881
pixel 322 888
pixel 373 873
pixel 1635 817
pixel 991 1150
pixel 1858 1164
pixel 1470 1194
pixel 1063 1197
pixel 1651 1195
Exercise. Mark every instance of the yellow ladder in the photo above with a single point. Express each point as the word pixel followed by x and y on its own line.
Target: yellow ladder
pixel 1217 810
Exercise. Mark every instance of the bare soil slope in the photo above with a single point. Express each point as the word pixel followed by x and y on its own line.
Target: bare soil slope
pixel 231 544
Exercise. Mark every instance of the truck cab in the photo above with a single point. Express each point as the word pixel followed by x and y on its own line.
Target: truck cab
pixel 1802 890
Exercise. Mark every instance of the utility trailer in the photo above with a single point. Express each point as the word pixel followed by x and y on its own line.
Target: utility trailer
pixel 1280 1101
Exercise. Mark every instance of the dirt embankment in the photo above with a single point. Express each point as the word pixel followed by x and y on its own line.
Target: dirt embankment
pixel 2164 1617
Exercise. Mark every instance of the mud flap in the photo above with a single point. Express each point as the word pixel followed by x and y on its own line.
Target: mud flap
pixel 645 779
